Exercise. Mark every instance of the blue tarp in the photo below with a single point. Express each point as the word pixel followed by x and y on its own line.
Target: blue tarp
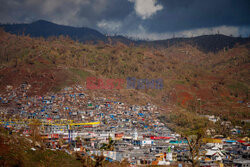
pixel 141 114
pixel 230 141
pixel 178 141
pixel 109 159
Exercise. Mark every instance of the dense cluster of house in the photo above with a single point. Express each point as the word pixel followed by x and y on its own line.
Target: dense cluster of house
pixel 72 121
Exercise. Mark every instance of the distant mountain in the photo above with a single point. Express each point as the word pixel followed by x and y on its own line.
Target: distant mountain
pixel 120 38
pixel 206 43
pixel 42 28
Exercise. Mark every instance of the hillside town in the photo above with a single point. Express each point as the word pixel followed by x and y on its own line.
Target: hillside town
pixel 73 121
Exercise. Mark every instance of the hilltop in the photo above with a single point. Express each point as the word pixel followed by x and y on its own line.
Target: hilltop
pixel 43 28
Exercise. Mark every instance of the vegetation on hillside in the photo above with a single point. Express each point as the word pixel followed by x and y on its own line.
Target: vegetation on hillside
pixel 24 151
pixel 198 82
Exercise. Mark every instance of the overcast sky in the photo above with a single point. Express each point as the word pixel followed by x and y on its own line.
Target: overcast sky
pixel 147 19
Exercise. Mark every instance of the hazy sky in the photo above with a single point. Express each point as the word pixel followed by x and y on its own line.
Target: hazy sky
pixel 148 19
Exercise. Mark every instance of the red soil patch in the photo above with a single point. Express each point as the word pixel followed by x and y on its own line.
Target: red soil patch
pixel 41 81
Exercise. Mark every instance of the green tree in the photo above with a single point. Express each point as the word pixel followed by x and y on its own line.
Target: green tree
pixel 109 146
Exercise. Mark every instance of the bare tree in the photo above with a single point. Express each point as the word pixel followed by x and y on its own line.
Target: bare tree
pixel 194 143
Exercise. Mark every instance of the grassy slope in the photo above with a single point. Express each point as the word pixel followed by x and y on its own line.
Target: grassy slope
pixel 16 151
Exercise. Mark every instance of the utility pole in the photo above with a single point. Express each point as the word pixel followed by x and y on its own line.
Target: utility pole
pixel 69 136
pixel 199 104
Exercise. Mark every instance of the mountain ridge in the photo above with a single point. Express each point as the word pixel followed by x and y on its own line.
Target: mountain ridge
pixel 43 28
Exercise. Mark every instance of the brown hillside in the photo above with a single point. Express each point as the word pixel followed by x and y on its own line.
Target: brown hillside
pixel 220 81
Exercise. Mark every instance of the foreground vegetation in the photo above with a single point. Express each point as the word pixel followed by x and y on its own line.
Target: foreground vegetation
pixel 25 151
